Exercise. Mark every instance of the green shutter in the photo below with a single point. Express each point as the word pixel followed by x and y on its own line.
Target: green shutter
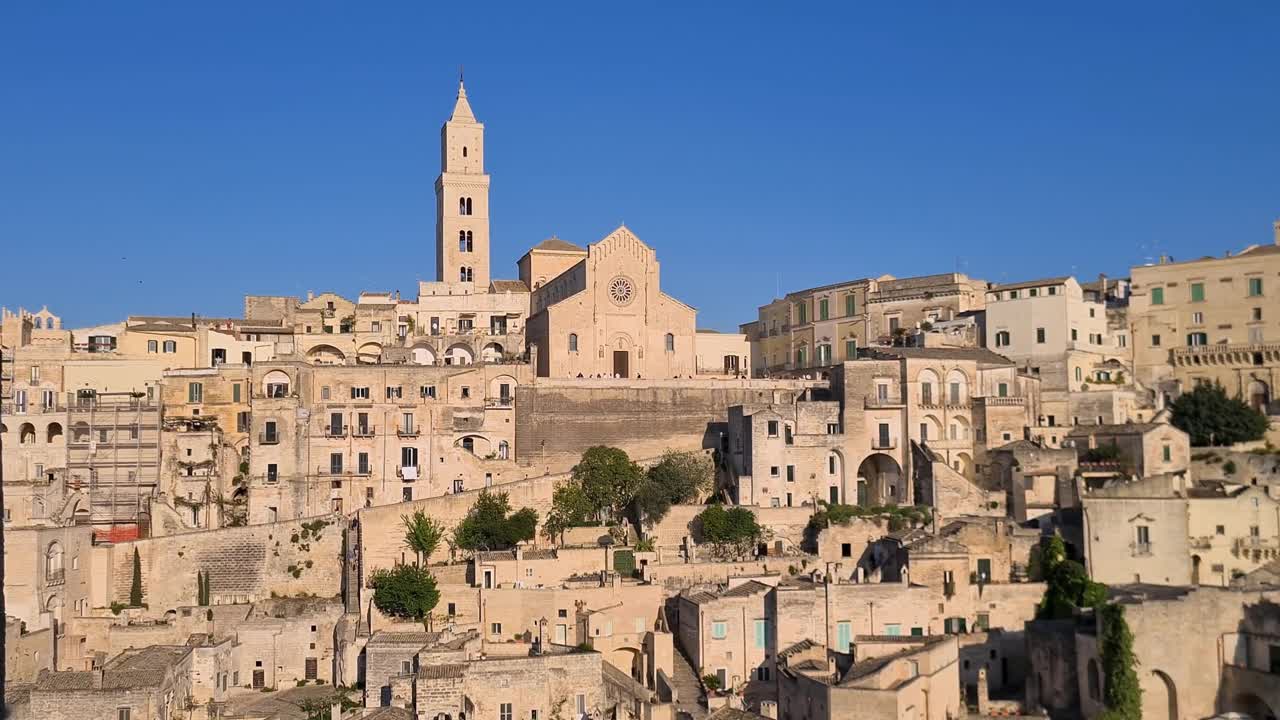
pixel 844 636
pixel 235 392
pixel 1255 286
pixel 1197 292
pixel 760 634
pixel 850 349
pixel 848 304
pixel 1157 296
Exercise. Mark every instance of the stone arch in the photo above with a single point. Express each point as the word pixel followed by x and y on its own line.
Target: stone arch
pixel 630 659
pixel 26 434
pixel 883 476
pixel 276 383
pixel 491 352
pixel 53 557
pixel 931 429
pixel 959 428
pixel 326 355
pixel 504 450
pixel 957 388
pixel 53 606
pixel 53 432
pixel 495 387
pixel 1168 704
pixel 423 355
pixel 930 387
pixel 459 354
pixel 80 432
pixel 962 463
pixel 369 353
pixel 477 445
pixel 620 341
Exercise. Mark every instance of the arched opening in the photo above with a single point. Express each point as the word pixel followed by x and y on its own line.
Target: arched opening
pixel 573 342
pixel 930 387
pixel 503 389
pixel 476 445
pixel 275 384
pixel 1169 701
pixel 670 342
pixel 504 450
pixel 930 429
pixel 53 562
pixel 369 354
pixel 1195 569
pixel 1259 395
pixel 629 659
pixel 54 607
pixel 326 355
pixel 423 356
pixel 39 323
pixel 836 490
pixel 458 354
pixel 957 388
pixel 80 432
pixel 53 432
pixel 491 352
pixel 959 428
pixel 26 434
pixel 962 464
pixel 883 478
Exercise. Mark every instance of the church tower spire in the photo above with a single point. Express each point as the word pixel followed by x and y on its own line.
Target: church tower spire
pixel 462 199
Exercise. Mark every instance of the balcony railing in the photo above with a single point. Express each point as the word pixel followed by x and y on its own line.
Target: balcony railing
pixel 407 431
pixel 409 472
pixel 335 431
pixel 1140 549
pixel 363 431
pixel 884 401
pixel 268 438
pixel 55 577
pixel 1254 543
pixel 499 402
pixel 882 444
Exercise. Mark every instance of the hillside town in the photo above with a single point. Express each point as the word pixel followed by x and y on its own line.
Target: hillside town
pixel 556 496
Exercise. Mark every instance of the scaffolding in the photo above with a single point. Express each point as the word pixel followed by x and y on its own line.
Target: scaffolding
pixel 113 455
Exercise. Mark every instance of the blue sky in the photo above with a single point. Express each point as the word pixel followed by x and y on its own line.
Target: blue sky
pixel 168 158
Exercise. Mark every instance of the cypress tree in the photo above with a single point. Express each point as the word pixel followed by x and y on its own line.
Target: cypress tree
pixel 135 588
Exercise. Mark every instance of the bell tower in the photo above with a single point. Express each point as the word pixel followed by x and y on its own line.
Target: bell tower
pixel 462 200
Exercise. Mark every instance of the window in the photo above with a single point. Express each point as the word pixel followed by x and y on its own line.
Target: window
pixel 573 342
pixel 1157 296
pixel 359 393
pixel 719 630
pixel 464 206
pixel 335 463
pixel 123 713
pixel 1079 374
pixel 671 342
pixel 170 346
pixel 892 629
pixel 844 635
pixel 1197 292
pixel 850 349
pixel 823 311
pixel 800 357
pixel 1002 338
pixel 427 391
pixel 849 306
pixel 1155 341
pixel 955 393
pixel 1040 335
pixel 464 241
pixel 1256 315
pixel 195 392
pixel 1075 334
pixel 801 314
pixel 774 471
pixel 1197 318
pixel 773 428
pixel 362 462
pixel 824 354
pixel 465 392
pixel 761 627
pixel 982 622
pixel 504 712
pixel 1013 294
pixel 1002 390
pixel 1197 339
pixel 1255 287
pixel 153 346
pixel 235 392
pixel 1167 453
pixel 1142 544
pixel 495 628
pixel 408 456
pixel 406 494
pixel 393 392
pixel 1034 292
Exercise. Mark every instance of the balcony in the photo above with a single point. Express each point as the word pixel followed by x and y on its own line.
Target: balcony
pixel 409 472
pixel 335 431
pixel 1204 542
pixel 410 431
pixel 268 438
pixel 1140 549
pixel 499 402
pixel 997 401
pixel 55 577
pixel 884 444
pixel 331 472
pixel 1229 354
pixel 1259 548
pixel 363 430
pixel 891 400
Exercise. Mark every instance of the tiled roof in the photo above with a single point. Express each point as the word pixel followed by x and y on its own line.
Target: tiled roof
pixel 797 648
pixel 443 672
pixel 555 243
pixel 746 589
pixel 1121 429
pixel 517 286
pixel 384 637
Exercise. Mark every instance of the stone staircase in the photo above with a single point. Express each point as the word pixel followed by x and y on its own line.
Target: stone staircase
pixel 689 705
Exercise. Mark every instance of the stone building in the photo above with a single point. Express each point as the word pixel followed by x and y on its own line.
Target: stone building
pixel 1138 449
pixel 152 683
pixel 883 677
pixel 1209 320
pixel 825 325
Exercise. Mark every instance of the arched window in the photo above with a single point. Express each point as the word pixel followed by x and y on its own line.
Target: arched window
pixel 469 444
pixel 504 450
pixel 671 342
pixel 170 346
pixel 1002 338
pixel 464 241
pixel 39 323
pixel 464 206
pixel 464 151
pixel 573 342
pixel 462 274
pixel 469 275
pixel 53 562
pixel 153 346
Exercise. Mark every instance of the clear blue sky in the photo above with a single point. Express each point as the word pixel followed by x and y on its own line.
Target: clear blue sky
pixel 167 158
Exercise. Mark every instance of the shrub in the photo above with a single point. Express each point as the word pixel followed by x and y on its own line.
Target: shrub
pixel 732 532
pixel 491 525
pixel 406 592
pixel 1210 417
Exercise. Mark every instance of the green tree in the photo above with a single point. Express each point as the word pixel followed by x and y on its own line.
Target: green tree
pixel 569 508
pixel 1121 692
pixel 1210 417
pixel 609 480
pixel 732 533
pixel 135 587
pixel 1069 589
pixel 679 477
pixel 421 535
pixel 491 525
pixel 407 592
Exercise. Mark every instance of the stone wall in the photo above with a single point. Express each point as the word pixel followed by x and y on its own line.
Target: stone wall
pixel 244 564
pixel 556 420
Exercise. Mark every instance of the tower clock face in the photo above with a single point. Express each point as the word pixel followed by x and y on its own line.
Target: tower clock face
pixel 621 291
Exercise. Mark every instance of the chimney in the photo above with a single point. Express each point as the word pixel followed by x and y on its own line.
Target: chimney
pixel 769 709
pixel 310 296
pixel 97 678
